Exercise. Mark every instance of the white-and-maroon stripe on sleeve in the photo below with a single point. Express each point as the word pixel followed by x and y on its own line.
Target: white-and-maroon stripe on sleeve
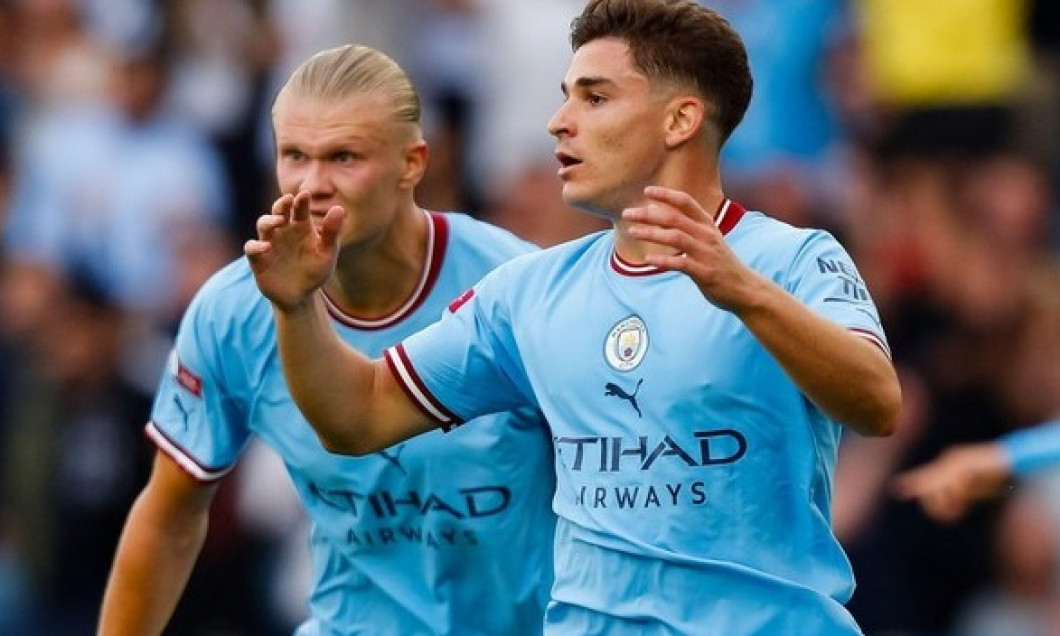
pixel 413 385
pixel 179 455
pixel 873 338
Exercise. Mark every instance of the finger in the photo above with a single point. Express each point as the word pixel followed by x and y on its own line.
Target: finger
pixel 944 507
pixel 332 225
pixel 678 199
pixel 267 224
pixel 908 485
pixel 254 248
pixel 660 235
pixel 653 213
pixel 300 206
pixel 282 205
pixel 664 216
pixel 659 224
pixel 671 262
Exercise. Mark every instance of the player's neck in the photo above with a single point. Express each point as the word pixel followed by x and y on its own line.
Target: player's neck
pixel 375 279
pixel 699 181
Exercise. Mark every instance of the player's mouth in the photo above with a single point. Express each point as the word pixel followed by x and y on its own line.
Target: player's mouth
pixel 567 163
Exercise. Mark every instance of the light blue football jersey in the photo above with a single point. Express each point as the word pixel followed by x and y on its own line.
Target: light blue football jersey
pixel 443 534
pixel 694 479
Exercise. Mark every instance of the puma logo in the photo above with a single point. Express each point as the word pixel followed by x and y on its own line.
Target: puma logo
pixel 613 389
pixel 183 411
pixel 395 459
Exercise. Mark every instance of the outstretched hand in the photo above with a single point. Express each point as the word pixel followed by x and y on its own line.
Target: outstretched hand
pixel 291 258
pixel 961 476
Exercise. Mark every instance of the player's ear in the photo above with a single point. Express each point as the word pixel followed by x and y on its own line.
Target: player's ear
pixel 685 118
pixel 416 155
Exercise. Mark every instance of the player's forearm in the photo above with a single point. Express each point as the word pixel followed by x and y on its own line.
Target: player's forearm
pixel 330 381
pixel 846 376
pixel 154 560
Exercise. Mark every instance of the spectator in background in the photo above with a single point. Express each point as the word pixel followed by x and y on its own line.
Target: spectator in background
pixel 96 184
pixel 963 475
pixel 1041 129
pixel 946 79
pixel 947 73
pixel 20 591
pixel 223 56
pixel 1023 599
pixel 513 160
pixel 10 94
pixel 100 161
pixel 1016 472
pixel 74 455
pixel 59 60
pixel 789 155
pixel 959 308
pixel 15 600
pixel 446 61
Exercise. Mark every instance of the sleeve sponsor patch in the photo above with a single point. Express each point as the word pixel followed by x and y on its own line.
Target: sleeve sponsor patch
pixel 184 376
pixel 461 300
pixel 189 380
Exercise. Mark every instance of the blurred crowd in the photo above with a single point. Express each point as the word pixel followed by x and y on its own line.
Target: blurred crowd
pixel 135 154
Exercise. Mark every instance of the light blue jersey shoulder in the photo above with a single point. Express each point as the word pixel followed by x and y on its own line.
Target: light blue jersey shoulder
pixel 442 534
pixel 684 453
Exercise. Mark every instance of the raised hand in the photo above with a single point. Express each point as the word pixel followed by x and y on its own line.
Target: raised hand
pixel 293 257
pixel 676 220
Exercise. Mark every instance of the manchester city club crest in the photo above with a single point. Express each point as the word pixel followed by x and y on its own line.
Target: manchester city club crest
pixel 626 344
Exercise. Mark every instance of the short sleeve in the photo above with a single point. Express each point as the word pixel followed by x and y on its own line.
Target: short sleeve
pixel 194 418
pixel 824 277
pixel 464 365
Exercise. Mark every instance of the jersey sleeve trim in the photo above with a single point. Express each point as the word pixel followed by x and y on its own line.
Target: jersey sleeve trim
pixel 182 458
pixel 400 365
pixel 873 338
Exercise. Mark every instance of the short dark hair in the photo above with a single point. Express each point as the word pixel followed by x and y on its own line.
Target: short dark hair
pixel 677 40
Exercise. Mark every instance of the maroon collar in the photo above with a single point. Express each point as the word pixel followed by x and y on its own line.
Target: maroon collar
pixel 437 240
pixel 727 216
